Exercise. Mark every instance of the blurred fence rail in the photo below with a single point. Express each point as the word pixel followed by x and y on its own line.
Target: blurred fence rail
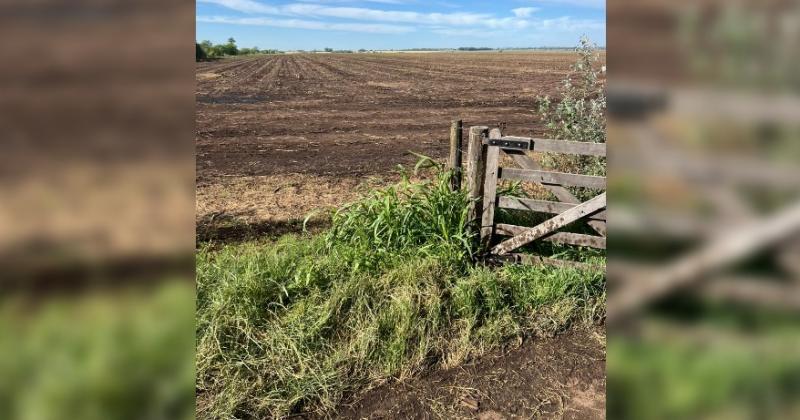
pixel 707 190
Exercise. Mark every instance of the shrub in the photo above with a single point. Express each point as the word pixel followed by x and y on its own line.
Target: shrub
pixel 578 114
pixel 580 110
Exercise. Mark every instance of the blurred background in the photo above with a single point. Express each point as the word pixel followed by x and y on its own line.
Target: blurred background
pixel 97 209
pixel 704 183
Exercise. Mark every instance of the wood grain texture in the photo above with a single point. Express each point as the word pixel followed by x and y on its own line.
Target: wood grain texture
pixel 566 238
pixel 562 146
pixel 542 206
pixel 552 224
pixel 454 162
pixel 476 159
pixel 489 195
pixel 553 178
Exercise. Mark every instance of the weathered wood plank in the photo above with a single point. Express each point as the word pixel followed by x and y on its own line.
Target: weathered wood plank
pixel 553 178
pixel 552 224
pixel 566 238
pixel 728 248
pixel 489 195
pixel 543 206
pixel 455 162
pixel 537 260
pixel 476 160
pixel 561 193
pixel 561 146
pixel 748 289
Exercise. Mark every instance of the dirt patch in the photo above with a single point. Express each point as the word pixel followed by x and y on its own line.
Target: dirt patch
pixel 274 200
pixel 561 377
pixel 206 76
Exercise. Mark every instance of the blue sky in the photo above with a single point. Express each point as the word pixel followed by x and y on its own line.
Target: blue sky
pixel 398 24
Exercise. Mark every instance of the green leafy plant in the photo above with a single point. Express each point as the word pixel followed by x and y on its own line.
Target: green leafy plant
pixel 578 114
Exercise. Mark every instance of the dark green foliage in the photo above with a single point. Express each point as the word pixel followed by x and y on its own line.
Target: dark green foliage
pixel 230 49
pixel 199 53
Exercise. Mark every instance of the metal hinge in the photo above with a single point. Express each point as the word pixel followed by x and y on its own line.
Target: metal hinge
pixel 515 143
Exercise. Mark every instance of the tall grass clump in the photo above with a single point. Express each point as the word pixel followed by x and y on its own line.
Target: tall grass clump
pixel 424 218
pixel 390 290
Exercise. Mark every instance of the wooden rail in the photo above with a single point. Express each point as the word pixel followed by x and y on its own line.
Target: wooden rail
pixel 484 171
pixel 553 178
pixel 560 146
pixel 541 206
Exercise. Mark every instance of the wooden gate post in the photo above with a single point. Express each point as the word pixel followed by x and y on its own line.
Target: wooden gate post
pixel 489 196
pixel 454 162
pixel 476 164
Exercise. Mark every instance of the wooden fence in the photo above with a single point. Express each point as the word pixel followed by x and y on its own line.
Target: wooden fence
pixel 483 173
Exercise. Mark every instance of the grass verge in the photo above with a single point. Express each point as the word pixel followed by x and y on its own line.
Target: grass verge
pixel 388 291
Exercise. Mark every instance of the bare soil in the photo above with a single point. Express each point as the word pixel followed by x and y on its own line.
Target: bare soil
pixel 561 377
pixel 333 121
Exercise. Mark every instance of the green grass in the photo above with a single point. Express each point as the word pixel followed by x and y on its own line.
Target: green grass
pixel 121 354
pixel 389 291
pixel 712 373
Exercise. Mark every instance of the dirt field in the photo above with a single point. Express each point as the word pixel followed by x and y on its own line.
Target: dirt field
pixel 279 136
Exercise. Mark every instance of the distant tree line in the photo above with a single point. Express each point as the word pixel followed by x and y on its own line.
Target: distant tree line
pixel 207 49
pixel 331 50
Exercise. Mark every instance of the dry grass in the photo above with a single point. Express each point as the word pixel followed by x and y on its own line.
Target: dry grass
pixel 280 198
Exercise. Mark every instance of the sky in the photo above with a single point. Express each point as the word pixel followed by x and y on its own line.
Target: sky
pixel 400 24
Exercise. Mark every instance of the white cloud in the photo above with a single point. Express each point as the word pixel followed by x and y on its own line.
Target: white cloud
pixel 464 33
pixel 594 4
pixel 312 15
pixel 309 24
pixel 356 1
pixel 244 6
pixel 523 12
pixel 361 13
pixel 568 24
pixel 355 13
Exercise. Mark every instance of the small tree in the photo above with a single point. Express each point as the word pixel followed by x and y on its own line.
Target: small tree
pixel 230 48
pixel 207 48
pixel 578 113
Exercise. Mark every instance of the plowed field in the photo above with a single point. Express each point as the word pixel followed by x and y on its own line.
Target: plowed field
pixel 281 135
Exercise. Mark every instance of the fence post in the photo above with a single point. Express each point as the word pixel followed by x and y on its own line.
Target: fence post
pixel 476 164
pixel 454 163
pixel 490 190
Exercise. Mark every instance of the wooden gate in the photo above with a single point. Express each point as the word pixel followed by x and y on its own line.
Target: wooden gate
pixel 484 172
